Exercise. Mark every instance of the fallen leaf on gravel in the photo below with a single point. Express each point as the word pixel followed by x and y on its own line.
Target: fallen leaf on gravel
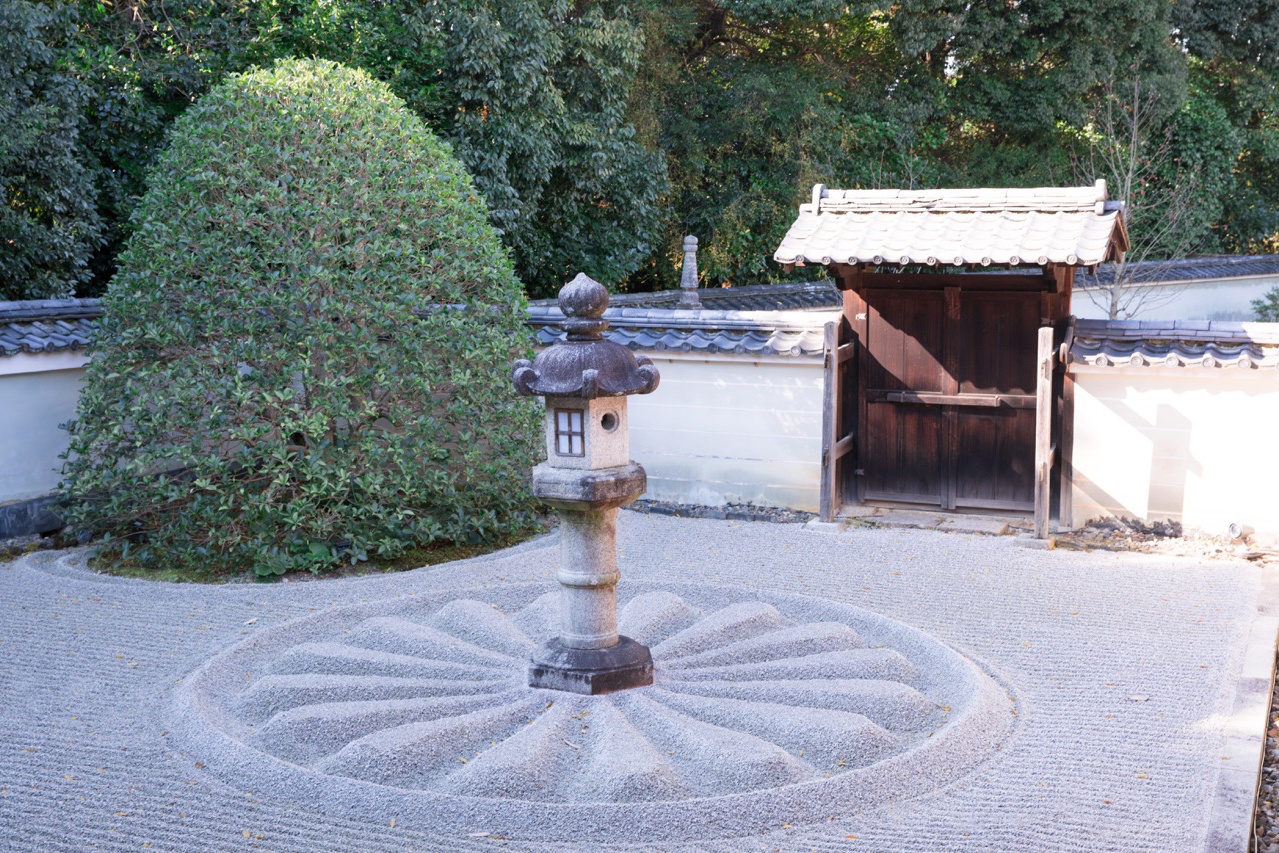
pixel 392 823
pixel 850 837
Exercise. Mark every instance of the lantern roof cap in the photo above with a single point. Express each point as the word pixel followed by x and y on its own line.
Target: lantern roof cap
pixel 585 365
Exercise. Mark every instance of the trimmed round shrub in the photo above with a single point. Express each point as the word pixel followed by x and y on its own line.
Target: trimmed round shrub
pixel 303 359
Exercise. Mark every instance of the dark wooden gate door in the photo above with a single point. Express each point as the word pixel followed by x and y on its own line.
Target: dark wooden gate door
pixel 948 382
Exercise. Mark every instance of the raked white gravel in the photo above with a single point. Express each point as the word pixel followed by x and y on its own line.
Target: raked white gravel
pixel 1100 685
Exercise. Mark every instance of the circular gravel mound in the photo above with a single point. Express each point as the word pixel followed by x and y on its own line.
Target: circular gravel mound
pixel 765 709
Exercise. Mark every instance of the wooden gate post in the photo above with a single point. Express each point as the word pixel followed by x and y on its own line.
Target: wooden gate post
pixel 830 410
pixel 1044 450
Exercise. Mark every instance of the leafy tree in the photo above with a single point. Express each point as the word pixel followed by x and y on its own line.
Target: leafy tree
pixel 1235 47
pixel 143 64
pixel 1267 307
pixel 540 92
pixel 1022 67
pixel 573 117
pixel 302 359
pixel 49 222
pixel 753 103
pixel 532 94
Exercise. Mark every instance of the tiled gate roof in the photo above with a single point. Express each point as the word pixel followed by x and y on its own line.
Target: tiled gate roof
pixel 962 227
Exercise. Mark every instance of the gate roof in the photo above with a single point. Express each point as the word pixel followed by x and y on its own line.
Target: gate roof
pixel 1074 226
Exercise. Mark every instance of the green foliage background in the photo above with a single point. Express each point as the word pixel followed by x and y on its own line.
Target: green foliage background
pixel 304 354
pixel 49 225
pixel 601 132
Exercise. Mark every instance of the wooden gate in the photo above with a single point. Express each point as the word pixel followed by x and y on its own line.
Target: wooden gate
pixel 947 396
pixel 839 418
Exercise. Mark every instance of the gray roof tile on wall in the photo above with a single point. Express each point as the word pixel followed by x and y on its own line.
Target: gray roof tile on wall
pixel 47 325
pixel 1131 343
pixel 803 296
pixel 1185 270
pixel 763 320
pixel 752 342
pixel 783 319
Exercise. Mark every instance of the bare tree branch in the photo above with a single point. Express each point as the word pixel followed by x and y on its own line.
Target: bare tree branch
pixel 1129 142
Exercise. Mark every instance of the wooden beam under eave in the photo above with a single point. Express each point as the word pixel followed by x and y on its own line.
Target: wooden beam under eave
pixel 972 281
pixel 1124 244
pixel 1064 291
pixel 1057 303
pixel 847 276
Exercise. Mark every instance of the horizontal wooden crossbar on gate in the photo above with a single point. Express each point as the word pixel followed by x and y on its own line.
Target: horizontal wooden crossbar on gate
pixel 928 398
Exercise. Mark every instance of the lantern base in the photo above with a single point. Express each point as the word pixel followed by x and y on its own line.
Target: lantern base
pixel 591 671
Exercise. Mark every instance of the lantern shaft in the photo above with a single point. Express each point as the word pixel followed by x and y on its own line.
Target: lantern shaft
pixel 588 574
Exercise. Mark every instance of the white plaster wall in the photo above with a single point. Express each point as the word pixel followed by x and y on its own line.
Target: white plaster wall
pixel 731 430
pixel 1226 299
pixel 1194 445
pixel 33 401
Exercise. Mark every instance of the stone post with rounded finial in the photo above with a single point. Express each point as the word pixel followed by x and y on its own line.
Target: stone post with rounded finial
pixel 688 297
pixel 587 476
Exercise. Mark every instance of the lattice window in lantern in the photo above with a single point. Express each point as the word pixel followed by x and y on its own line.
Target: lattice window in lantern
pixel 570 439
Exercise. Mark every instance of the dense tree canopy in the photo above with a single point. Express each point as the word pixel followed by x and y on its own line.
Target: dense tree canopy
pixel 49 222
pixel 600 132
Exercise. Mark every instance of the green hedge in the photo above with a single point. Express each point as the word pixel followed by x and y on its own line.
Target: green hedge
pixel 303 356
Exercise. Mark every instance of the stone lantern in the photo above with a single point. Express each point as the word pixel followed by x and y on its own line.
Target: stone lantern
pixel 587 475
